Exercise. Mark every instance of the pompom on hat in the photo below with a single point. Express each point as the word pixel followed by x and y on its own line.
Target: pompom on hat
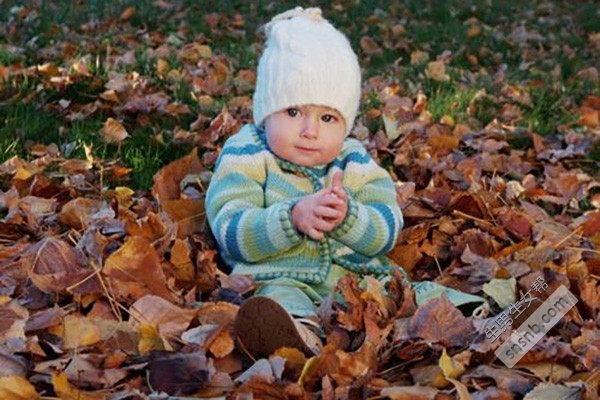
pixel 306 61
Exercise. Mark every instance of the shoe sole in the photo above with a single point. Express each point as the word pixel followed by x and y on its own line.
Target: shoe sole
pixel 263 326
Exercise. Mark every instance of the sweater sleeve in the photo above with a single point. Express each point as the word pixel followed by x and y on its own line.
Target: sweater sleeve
pixel 374 218
pixel 246 230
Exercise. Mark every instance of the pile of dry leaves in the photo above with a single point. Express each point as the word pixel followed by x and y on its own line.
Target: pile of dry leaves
pixel 116 294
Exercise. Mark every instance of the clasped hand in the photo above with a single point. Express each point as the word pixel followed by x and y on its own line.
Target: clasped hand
pixel 322 211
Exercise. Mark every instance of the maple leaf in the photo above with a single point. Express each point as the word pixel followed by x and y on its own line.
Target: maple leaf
pixel 55 267
pixel 134 271
pixel 440 321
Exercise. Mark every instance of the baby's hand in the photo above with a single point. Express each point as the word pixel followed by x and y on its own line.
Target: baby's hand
pixel 337 189
pixel 318 213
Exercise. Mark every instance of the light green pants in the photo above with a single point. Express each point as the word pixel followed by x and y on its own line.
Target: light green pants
pixel 302 300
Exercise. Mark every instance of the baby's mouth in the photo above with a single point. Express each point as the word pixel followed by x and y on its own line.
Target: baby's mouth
pixel 307 149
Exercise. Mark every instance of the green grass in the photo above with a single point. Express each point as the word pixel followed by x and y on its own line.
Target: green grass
pixel 435 26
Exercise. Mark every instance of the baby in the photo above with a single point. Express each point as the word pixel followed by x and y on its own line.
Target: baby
pixel 294 201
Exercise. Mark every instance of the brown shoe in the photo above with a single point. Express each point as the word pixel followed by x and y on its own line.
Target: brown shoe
pixel 263 326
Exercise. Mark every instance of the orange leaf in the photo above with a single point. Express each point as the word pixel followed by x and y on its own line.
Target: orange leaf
pixel 166 181
pixel 189 215
pixel 220 313
pixel 127 14
pixel 222 345
pixel 589 117
pixel 370 46
pixel 77 211
pixel 183 268
pixel 135 271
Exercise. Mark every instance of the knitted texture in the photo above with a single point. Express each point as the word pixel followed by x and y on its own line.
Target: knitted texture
pixel 306 61
pixel 249 202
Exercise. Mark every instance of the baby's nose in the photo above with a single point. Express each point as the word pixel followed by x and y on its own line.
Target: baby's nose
pixel 310 128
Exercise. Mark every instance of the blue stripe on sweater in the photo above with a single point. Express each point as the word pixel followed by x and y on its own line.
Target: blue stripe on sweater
pixel 231 240
pixel 390 219
pixel 247 150
pixel 353 157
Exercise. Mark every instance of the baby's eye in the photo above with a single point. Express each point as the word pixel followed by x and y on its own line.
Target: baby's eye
pixel 328 118
pixel 293 112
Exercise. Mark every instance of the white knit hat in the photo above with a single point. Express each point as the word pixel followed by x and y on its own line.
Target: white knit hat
pixel 306 61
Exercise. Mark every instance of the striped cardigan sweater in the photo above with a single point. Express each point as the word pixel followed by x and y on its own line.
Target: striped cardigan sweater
pixel 249 202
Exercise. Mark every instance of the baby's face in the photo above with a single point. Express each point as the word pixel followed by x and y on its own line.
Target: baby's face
pixel 306 135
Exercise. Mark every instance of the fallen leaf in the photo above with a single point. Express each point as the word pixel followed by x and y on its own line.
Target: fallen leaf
pixel 55 267
pixel 113 132
pixel 166 181
pixel 410 393
pixel 12 365
pixel 77 331
pixel 550 391
pixel 440 321
pixel 370 46
pixel 135 270
pixel 223 344
pixel 127 14
pixel 77 212
pixel 436 70
pixel 177 373
pixel 13 317
pixel 65 391
pixel 153 310
pixel 17 388
pixel 451 368
pixel 503 291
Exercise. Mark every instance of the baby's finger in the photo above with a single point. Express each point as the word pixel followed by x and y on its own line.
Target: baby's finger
pixel 336 179
pixel 324 225
pixel 315 234
pixel 339 192
pixel 330 200
pixel 327 212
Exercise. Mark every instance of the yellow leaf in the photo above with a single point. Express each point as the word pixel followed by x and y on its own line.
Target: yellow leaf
pixel 25 172
pixel 451 368
pixel 204 51
pixel 309 368
pixel 17 388
pixel 447 120
pixel 474 30
pixel 48 69
pixel 65 391
pixel 150 339
pixel 79 331
pixel 123 195
pixel 113 132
